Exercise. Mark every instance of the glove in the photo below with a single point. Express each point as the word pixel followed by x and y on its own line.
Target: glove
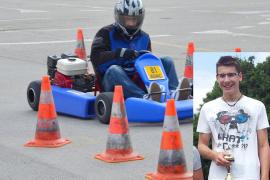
pixel 125 53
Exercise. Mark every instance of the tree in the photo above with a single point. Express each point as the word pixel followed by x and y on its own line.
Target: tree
pixel 255 84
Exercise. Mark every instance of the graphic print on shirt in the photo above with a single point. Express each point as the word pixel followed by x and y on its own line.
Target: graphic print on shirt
pixel 233 129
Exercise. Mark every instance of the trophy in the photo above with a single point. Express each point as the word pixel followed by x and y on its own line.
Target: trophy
pixel 229 157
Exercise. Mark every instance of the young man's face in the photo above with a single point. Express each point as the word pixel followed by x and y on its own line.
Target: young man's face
pixel 228 79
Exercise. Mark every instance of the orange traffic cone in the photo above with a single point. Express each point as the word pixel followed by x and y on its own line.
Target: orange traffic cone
pixel 172 163
pixel 237 52
pixel 237 49
pixel 47 129
pixel 188 73
pixel 80 49
pixel 119 148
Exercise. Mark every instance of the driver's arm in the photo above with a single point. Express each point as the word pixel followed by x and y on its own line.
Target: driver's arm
pixel 101 51
pixel 101 48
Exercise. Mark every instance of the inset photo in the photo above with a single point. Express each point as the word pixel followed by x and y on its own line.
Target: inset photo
pixel 231 114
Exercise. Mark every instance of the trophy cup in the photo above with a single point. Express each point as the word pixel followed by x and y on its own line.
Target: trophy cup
pixel 229 157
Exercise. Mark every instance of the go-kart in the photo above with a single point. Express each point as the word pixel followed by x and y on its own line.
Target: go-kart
pixel 86 105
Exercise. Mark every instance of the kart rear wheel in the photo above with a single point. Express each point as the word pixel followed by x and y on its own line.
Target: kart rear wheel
pixel 103 106
pixel 33 94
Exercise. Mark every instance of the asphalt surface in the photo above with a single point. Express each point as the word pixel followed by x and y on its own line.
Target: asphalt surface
pixel 32 30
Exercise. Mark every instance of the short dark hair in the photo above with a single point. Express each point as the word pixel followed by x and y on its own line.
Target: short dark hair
pixel 228 61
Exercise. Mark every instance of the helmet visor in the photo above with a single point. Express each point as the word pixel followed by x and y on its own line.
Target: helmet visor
pixel 131 22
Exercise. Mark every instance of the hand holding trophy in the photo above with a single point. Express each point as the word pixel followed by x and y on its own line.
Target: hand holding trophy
pixel 229 157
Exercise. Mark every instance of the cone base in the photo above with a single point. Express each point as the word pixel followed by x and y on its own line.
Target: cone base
pixel 116 158
pixel 50 143
pixel 158 176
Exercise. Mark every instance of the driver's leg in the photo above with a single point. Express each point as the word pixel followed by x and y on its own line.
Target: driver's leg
pixel 169 68
pixel 115 75
pixel 174 83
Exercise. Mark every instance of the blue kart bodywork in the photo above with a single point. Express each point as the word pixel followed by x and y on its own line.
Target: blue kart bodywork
pixel 80 104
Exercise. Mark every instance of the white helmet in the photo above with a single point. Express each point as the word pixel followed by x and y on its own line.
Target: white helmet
pixel 129 15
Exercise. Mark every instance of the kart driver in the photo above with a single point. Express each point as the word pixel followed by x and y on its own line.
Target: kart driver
pixel 116 45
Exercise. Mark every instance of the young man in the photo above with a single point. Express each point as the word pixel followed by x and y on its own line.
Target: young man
pixel 237 126
pixel 115 47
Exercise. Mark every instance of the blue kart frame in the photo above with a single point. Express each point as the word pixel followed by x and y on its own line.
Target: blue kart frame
pixel 87 105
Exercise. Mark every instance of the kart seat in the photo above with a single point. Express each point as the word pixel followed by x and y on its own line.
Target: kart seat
pixel 97 85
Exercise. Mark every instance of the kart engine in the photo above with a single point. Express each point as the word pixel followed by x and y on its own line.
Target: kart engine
pixel 68 71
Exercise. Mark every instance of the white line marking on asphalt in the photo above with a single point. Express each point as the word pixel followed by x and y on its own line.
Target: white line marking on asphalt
pixel 216 31
pixel 154 10
pixel 99 7
pixel 52 30
pixel 90 40
pixel 79 6
pixel 248 12
pixel 24 10
pixel 252 35
pixel 202 11
pixel 66 5
pixel 31 11
pixel 175 7
pixel 167 44
pixel 160 35
pixel 26 19
pixel 2 30
pixel 264 22
pixel 244 27
pixel 43 42
pixel 8 8
pixel 92 10
pixel 72 41
pixel 265 15
pixel 232 34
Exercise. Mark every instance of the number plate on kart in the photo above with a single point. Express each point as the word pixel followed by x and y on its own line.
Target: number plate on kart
pixel 154 72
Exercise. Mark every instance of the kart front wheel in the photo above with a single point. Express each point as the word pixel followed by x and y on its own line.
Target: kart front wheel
pixel 103 106
pixel 33 94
